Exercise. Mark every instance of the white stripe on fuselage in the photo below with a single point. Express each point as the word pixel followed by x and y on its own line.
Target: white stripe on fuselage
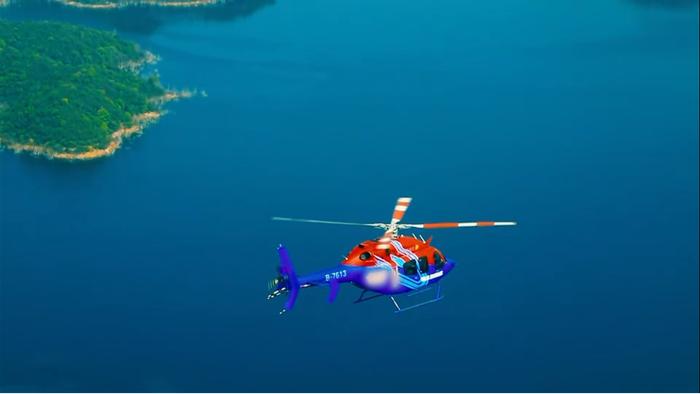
pixel 404 251
pixel 431 276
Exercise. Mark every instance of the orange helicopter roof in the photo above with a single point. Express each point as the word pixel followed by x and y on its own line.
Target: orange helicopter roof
pixel 366 253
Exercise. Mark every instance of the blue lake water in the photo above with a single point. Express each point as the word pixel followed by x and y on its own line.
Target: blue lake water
pixel 146 271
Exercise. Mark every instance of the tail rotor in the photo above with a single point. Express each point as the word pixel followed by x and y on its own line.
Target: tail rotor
pixel 285 282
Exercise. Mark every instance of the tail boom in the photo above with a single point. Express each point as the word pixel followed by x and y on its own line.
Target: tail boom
pixel 289 283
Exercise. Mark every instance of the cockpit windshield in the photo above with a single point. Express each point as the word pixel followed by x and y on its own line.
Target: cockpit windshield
pixel 439 260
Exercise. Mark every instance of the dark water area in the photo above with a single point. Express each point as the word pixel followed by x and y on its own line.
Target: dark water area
pixel 146 271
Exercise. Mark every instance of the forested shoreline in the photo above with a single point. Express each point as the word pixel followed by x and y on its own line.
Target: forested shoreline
pixel 65 90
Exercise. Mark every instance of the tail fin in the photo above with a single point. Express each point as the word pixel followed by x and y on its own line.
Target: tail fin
pixel 286 281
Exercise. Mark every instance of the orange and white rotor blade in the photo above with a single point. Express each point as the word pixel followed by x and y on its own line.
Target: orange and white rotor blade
pixel 456 224
pixel 400 209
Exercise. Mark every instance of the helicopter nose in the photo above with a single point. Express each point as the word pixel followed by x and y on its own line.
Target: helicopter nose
pixel 449 265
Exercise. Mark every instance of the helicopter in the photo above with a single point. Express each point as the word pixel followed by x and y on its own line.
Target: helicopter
pixel 390 265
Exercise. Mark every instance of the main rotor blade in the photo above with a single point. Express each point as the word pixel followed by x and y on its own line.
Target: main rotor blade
pixel 456 224
pixel 400 209
pixel 376 225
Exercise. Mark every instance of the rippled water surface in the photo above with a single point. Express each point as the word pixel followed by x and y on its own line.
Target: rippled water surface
pixel 579 119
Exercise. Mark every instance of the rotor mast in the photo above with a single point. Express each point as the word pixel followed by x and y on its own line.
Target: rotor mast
pixel 392 231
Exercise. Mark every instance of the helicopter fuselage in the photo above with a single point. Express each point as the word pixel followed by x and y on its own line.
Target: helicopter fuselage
pixel 408 264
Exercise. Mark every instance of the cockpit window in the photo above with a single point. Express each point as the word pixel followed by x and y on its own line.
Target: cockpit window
pixel 365 255
pixel 410 268
pixel 423 264
pixel 439 261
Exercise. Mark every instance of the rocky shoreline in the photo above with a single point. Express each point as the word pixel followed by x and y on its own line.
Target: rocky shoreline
pixel 140 121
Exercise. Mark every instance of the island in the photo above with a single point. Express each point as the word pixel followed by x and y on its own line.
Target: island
pixel 74 93
pixel 110 4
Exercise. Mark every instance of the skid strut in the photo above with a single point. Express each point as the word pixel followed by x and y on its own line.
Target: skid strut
pixel 362 297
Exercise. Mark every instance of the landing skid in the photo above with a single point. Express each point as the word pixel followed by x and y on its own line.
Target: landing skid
pixel 437 298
